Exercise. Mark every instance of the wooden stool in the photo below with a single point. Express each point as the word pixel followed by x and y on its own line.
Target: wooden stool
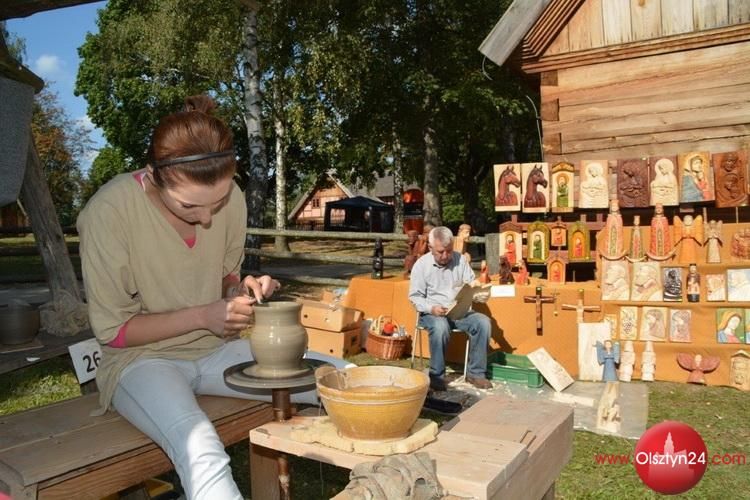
pixel 417 344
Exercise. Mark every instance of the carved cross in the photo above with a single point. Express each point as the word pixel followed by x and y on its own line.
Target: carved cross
pixel 538 299
pixel 580 308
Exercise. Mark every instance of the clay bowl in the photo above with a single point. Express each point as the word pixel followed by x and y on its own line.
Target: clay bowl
pixel 18 324
pixel 374 403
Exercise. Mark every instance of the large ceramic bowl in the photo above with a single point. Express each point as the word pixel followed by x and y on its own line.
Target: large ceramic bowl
pixel 377 403
pixel 18 324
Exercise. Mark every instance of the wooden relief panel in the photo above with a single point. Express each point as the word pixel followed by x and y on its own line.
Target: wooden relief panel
pixel 628 323
pixel 664 187
pixel 537 242
pixel 730 174
pixel 559 234
pixel 696 178
pixel 654 324
pixel 563 175
pixel 511 245
pixel 594 185
pixel 646 284
pixel 615 278
pixel 536 187
pixel 507 187
pixel 633 181
pixel 679 325
pixel 556 271
pixel 579 245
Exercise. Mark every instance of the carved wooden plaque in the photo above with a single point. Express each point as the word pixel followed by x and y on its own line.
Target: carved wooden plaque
pixel 535 187
pixel 696 178
pixel 594 188
pixel 507 187
pixel 730 175
pixel 633 183
pixel 664 187
pixel 563 175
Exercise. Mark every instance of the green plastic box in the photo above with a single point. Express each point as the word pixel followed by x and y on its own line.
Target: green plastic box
pixel 514 368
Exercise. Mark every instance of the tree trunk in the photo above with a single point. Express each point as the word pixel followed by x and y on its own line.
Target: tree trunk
pixel 433 211
pixel 398 187
pixel 281 242
pixel 255 195
pixel 36 198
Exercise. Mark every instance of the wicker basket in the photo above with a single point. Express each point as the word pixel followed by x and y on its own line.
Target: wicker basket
pixel 385 346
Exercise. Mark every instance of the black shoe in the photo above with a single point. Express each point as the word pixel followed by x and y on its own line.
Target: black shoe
pixel 438 384
pixel 479 382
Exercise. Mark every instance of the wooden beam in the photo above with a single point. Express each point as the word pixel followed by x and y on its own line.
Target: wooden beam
pixel 11 9
pixel 12 69
pixel 510 30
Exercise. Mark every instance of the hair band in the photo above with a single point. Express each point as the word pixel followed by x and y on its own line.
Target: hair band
pixel 186 159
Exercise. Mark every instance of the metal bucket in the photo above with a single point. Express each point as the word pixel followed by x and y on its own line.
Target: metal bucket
pixel 19 324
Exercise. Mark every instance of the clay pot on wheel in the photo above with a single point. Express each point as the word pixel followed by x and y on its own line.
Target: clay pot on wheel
pixel 278 341
pixel 19 324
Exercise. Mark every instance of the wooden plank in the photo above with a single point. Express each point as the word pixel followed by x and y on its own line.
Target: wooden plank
pixel 264 467
pixel 561 44
pixel 554 17
pixel 645 19
pixel 10 9
pixel 510 30
pixel 617 25
pixel 709 14
pixel 551 144
pixel 550 110
pixel 676 17
pixel 586 29
pixel 739 11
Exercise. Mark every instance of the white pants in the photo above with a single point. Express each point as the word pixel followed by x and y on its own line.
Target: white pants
pixel 158 397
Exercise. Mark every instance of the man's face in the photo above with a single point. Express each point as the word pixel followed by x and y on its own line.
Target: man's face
pixel 442 253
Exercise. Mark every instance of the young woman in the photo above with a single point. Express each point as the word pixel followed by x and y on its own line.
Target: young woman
pixel 161 250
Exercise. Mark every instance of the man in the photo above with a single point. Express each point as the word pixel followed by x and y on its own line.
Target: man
pixel 436 278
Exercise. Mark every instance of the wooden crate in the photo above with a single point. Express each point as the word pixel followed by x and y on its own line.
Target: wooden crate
pixel 320 316
pixel 338 344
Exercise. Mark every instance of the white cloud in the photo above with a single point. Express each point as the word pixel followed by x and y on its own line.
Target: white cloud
pixel 85 122
pixel 48 65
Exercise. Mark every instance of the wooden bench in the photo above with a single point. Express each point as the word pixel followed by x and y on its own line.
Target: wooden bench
pixel 61 452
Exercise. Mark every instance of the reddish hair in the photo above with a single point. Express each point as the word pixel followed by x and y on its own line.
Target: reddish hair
pixel 193 131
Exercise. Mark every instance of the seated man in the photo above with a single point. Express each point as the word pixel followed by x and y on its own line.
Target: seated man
pixel 436 278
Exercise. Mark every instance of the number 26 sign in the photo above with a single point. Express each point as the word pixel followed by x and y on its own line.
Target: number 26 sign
pixel 86 356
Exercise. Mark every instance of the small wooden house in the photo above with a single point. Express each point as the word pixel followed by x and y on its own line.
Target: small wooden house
pixel 631 78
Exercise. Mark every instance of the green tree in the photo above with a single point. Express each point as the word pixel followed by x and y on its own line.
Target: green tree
pixel 108 163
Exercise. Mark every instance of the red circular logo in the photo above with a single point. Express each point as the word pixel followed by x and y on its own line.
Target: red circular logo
pixel 670 457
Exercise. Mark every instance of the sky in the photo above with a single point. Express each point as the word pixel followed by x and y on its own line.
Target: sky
pixel 52 40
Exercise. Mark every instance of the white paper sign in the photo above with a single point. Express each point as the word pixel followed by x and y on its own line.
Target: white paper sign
pixel 503 291
pixel 550 369
pixel 86 356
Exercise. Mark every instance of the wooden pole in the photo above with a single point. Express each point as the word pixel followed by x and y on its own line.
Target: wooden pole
pixel 37 200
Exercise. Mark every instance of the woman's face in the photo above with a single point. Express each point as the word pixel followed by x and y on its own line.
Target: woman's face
pixel 196 203
pixel 733 322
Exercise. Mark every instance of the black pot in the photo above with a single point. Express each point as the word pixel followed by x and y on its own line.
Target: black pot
pixel 18 324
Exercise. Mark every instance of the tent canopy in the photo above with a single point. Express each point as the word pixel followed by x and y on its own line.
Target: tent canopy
pixel 359 214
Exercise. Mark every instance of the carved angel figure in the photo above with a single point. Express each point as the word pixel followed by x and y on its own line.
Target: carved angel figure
pixel 688 234
pixel 698 366
pixel 608 355
pixel 713 242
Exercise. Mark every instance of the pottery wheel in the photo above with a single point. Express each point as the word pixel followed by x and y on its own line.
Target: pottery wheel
pixel 241 377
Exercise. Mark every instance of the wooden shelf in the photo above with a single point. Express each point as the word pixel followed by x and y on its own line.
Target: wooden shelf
pixel 682 305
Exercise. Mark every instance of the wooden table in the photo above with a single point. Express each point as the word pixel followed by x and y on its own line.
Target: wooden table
pixel 499 448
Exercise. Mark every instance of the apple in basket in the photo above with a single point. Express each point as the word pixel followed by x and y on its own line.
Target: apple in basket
pixel 389 328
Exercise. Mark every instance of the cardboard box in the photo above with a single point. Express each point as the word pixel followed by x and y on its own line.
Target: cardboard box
pixel 338 344
pixel 321 316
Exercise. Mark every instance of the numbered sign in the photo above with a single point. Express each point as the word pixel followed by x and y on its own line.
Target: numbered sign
pixel 86 356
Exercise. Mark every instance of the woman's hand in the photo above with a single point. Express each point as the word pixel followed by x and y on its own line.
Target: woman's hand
pixel 229 316
pixel 260 288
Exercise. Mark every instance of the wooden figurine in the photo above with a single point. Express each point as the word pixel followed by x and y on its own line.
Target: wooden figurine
pixel 730 176
pixel 713 242
pixel 594 185
pixel 633 183
pixel 506 276
pixel 511 241
pixel 627 361
pixel 610 239
pixel 696 178
pixel 536 192
pixel 537 242
pixel 507 187
pixel 423 243
pixel 608 415
pixel 579 246
pixel 615 282
pixel 636 252
pixel 693 284
pixel 628 323
pixel 716 287
pixel 698 366
pixel 608 356
pixel 688 238
pixel 558 234
pixel 739 371
pixel 730 328
pixel 740 249
pixel 562 187
pixel 648 363
pixel 377 260
pixel 580 308
pixel 556 270
pixel 461 241
pixel 664 187
pixel 589 336
pixel 412 256
pixel 672 284
pixel 679 325
pixel 654 324
pixel 646 286
pixel 484 272
pixel 539 299
pixel 660 246
pixel 522 277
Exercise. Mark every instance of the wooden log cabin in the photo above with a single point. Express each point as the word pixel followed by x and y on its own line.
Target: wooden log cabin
pixel 632 78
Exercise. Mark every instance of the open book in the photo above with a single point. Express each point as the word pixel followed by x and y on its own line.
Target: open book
pixel 464 298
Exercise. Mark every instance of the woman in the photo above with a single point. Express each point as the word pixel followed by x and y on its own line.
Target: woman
pixel 727 331
pixel 161 251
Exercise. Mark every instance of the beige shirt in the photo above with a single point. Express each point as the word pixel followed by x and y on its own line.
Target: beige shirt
pixel 135 262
